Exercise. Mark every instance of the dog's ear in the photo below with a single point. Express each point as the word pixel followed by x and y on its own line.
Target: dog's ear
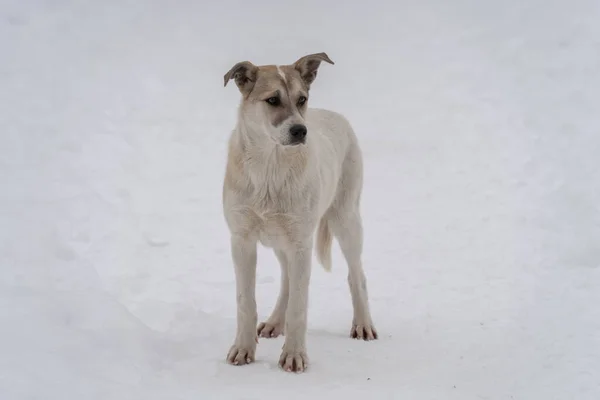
pixel 308 66
pixel 244 74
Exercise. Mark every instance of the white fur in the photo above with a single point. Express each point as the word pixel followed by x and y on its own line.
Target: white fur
pixel 281 196
pixel 281 74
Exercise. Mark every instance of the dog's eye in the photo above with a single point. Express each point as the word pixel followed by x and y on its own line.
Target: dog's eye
pixel 274 101
pixel 301 101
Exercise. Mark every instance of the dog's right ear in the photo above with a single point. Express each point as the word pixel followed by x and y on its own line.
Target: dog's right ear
pixel 244 74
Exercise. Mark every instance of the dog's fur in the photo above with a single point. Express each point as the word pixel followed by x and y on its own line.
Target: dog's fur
pixel 280 190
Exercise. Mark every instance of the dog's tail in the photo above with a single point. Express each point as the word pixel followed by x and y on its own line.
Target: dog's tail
pixel 324 240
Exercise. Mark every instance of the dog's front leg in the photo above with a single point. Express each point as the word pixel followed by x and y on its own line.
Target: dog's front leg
pixel 293 357
pixel 244 260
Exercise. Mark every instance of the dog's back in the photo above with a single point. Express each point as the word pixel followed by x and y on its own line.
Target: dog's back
pixel 332 125
pixel 339 157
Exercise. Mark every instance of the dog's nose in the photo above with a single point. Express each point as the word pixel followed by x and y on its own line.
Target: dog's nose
pixel 298 132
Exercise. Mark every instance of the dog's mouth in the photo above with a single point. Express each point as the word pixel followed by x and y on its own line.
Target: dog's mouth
pixel 295 143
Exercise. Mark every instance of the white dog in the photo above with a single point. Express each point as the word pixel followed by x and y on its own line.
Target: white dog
pixel 291 172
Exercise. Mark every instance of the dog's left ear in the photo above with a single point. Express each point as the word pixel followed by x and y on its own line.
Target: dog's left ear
pixel 308 66
pixel 244 74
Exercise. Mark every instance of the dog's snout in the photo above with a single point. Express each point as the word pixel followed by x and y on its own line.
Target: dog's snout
pixel 298 133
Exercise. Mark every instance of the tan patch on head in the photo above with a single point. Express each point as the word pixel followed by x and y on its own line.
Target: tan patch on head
pixel 303 71
pixel 283 82
pixel 294 79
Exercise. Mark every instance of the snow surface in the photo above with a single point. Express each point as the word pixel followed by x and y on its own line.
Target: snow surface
pixel 479 125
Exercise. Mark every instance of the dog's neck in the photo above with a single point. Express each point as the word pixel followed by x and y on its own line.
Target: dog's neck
pixel 267 162
pixel 251 140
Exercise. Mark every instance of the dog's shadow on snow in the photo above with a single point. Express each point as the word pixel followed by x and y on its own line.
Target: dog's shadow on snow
pixel 324 333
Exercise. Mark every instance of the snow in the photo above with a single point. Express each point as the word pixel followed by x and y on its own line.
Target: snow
pixel 479 127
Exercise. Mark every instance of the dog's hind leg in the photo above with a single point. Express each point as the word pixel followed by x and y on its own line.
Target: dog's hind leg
pixel 346 224
pixel 349 232
pixel 273 326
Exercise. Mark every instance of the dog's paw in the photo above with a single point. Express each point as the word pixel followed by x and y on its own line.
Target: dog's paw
pixel 363 332
pixel 268 330
pixel 293 361
pixel 240 355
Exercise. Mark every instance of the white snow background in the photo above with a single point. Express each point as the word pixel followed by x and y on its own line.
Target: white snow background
pixel 479 122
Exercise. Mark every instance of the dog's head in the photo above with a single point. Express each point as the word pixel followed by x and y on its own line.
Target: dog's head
pixel 275 97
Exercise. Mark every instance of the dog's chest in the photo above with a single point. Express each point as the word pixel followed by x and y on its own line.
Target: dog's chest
pixel 278 229
pixel 274 227
pixel 278 226
pixel 275 214
pixel 284 215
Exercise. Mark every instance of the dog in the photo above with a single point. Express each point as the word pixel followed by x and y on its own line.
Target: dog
pixel 291 173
